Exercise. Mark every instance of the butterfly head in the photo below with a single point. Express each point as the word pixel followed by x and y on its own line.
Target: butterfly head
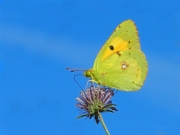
pixel 88 73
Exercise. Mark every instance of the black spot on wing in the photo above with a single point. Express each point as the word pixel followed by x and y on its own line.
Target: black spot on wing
pixel 111 47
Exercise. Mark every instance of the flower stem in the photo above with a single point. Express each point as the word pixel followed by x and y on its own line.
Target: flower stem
pixel 102 122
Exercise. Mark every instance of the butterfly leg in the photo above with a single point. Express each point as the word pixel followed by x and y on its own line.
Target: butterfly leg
pixel 92 83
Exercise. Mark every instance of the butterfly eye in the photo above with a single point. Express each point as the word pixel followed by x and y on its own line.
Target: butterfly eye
pixel 111 47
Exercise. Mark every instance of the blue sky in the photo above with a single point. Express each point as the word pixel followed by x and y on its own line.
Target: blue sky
pixel 38 40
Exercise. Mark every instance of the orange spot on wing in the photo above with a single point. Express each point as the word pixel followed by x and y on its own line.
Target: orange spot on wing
pixel 118 44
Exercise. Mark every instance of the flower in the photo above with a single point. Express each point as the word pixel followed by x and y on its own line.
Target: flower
pixel 95 100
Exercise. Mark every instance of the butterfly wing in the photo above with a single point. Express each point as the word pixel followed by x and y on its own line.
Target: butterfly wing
pixel 120 63
pixel 124 37
pixel 123 72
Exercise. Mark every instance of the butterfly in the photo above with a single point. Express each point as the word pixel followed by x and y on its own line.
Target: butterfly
pixel 120 64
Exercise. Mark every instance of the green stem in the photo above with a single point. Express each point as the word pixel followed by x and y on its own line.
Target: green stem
pixel 104 125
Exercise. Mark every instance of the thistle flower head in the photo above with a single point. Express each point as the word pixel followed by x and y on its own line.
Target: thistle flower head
pixel 95 100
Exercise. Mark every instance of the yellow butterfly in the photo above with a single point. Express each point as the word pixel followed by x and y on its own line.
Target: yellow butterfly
pixel 120 63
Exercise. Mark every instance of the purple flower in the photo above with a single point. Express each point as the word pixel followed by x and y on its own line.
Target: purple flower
pixel 95 100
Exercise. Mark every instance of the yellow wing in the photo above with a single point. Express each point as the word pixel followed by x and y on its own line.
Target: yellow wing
pixel 120 63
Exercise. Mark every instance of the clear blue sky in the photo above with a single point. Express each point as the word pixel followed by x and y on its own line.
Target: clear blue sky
pixel 38 40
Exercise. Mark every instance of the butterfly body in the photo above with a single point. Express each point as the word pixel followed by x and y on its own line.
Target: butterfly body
pixel 120 63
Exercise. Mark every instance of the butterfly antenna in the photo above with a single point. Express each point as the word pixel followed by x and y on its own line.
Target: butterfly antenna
pixel 75 69
pixel 76 80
